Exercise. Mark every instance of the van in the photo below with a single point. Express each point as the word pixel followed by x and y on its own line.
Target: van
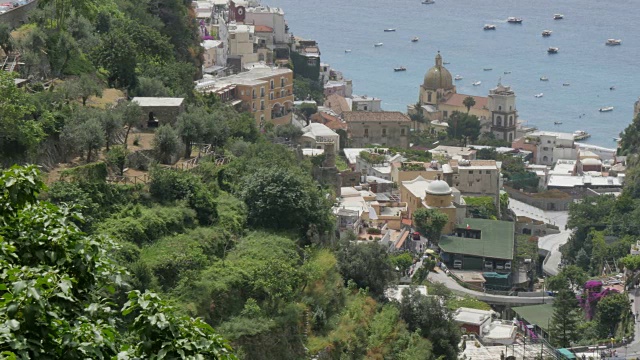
pixel 488 265
pixel 507 265
pixel 457 264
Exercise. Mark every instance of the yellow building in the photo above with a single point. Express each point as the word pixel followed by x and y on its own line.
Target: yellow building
pixel 434 194
pixel 267 92
pixel 409 170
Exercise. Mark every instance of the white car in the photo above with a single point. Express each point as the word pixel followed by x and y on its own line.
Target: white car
pixel 507 265
pixel 457 264
pixel 488 265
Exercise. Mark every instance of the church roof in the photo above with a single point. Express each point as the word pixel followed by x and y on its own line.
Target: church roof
pixel 438 77
pixel 457 100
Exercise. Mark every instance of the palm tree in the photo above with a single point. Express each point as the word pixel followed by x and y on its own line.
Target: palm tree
pixel 469 102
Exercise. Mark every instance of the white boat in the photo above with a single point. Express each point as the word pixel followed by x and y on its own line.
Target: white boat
pixel 546 33
pixel 613 42
pixel 617 139
pixel 389 30
pixel 348 51
pixel 544 78
pixel 401 68
pixel 428 2
pixel 606 109
pixel 477 83
pixel 539 95
pixel 489 27
pixel 580 135
pixel 558 17
pixel 514 20
pixel 553 50
pixel 458 77
pixel 378 44
pixel 415 39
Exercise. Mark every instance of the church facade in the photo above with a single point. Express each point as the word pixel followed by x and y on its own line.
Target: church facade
pixel 438 99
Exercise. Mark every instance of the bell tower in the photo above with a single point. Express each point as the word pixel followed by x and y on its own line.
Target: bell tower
pixel 504 115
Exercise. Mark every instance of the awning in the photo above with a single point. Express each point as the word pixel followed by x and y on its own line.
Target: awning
pixel 236 102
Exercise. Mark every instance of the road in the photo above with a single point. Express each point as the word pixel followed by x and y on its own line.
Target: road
pixel 441 277
pixel 550 243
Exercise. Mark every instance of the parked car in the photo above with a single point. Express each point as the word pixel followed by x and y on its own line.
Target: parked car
pixel 488 265
pixel 507 265
pixel 499 266
pixel 457 264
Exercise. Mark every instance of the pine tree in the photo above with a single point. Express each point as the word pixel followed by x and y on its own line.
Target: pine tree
pixel 564 322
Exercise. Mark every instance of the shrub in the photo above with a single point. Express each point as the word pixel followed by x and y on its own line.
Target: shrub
pixel 374 231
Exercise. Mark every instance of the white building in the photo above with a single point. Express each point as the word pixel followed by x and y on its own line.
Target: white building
pixel 366 103
pixel 241 39
pixel 552 146
pixel 316 135
pixel 215 55
pixel 271 17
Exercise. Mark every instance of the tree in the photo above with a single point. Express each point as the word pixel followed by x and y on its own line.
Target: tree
pixel 88 86
pixel 285 198
pixel 117 157
pixel 469 102
pixel 433 320
pixel 583 261
pixel 465 126
pixel 166 143
pixel 366 264
pixel 150 87
pixel 610 312
pixel 289 131
pixel 307 110
pixel 131 114
pixel 56 288
pixel 112 125
pixel 430 222
pixel 191 126
pixel 630 262
pixel 117 54
pixel 402 261
pixel 564 321
pixel 6 41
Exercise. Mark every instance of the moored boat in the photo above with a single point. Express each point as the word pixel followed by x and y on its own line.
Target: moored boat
pixel 514 20
pixel 566 84
pixel 613 42
pixel 606 109
pixel 544 78
pixel 389 30
pixel 458 77
pixel 489 27
pixel 558 17
pixel 377 44
pixel 580 135
pixel 401 68
pixel 546 33
pixel 477 83
pixel 487 69
pixel 557 123
pixel 539 95
pixel 428 2
pixel 553 50
pixel 507 72
pixel 415 39
pixel 347 50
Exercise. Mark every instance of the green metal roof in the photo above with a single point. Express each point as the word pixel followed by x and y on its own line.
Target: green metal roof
pixel 539 315
pixel 496 239
pixel 567 354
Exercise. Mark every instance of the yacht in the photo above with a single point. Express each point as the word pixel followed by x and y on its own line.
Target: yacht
pixel 348 51
pixel 544 78
pixel 389 30
pixel 546 33
pixel 377 44
pixel 557 123
pixel 489 27
pixel 558 17
pixel 428 2
pixel 401 68
pixel 612 88
pixel 514 20
pixel 415 39
pixel 458 77
pixel 613 42
pixel 539 95
pixel 553 50
pixel 477 83
pixel 580 135
pixel 606 109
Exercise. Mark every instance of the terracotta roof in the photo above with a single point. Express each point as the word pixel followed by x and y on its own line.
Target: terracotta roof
pixel 457 99
pixel 337 103
pixel 407 222
pixel 330 121
pixel 375 116
pixel 263 28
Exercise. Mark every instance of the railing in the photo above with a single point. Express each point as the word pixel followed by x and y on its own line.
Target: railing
pixel 128 180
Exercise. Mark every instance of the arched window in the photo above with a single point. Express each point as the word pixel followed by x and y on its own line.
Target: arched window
pixel 510 120
pixel 429 96
pixel 499 120
pixel 510 137
pixel 499 108
pixel 545 158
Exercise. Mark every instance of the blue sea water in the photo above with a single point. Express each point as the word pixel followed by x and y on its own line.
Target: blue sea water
pixel 455 28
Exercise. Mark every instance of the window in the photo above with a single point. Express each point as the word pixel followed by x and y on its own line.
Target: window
pixel 253 106
pixel 261 104
pixel 233 36
pixel 384 132
pixel 253 93
pixel 499 108
pixel 241 92
pixel 271 95
pixel 281 93
pixel 366 132
pixel 365 108
pixel 445 114
pixel 271 84
pixel 548 141
pixel 498 120
pixel 488 172
pixel 429 97
pixel 545 148
pixel 282 82
pixel 402 132
pixel 311 62
pixel 470 172
pixel 262 91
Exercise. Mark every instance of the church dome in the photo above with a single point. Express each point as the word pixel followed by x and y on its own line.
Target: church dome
pixel 438 77
pixel 438 187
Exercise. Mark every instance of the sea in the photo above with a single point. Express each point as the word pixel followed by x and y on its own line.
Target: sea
pixel 517 54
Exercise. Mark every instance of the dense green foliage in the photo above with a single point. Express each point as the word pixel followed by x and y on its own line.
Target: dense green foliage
pixel 429 223
pixel 564 322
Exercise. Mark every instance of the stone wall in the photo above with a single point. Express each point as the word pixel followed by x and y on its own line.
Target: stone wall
pixel 19 15
pixel 544 203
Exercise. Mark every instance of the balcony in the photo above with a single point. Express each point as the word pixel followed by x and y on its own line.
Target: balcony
pixel 280 114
